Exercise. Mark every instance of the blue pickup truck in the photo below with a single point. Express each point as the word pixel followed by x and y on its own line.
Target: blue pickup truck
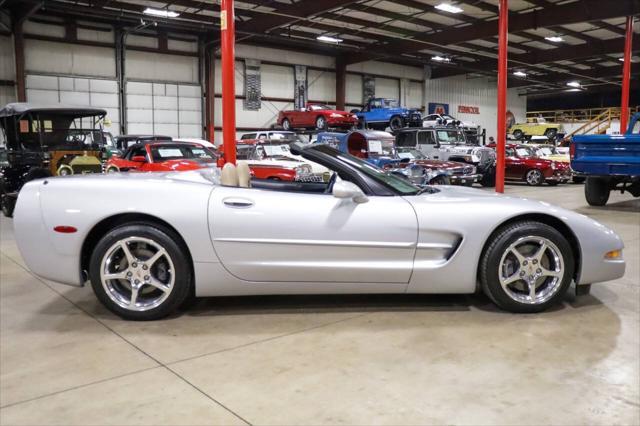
pixel 380 113
pixel 610 162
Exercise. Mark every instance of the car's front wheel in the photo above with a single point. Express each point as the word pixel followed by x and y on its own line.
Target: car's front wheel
pixel 140 271
pixel 518 134
pixel 534 177
pixel 527 267
pixel 396 123
pixel 286 124
pixel 321 123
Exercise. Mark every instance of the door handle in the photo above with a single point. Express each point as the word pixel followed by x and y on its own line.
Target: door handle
pixel 238 203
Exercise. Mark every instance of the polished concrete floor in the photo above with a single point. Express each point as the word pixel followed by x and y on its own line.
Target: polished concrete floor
pixel 326 360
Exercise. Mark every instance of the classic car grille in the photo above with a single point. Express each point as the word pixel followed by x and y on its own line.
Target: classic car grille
pixel 461 171
pixel 78 170
pixel 310 178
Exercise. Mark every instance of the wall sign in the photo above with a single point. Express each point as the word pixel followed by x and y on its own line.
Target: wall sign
pixel 368 88
pixel 436 108
pixel 465 109
pixel 300 94
pixel 252 85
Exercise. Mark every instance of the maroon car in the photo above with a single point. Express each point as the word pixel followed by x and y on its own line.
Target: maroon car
pixel 316 116
pixel 522 164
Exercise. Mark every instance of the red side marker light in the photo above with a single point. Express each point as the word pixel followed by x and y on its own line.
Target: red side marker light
pixel 65 229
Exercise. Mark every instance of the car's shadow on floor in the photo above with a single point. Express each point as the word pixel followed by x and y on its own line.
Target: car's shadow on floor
pixel 627 206
pixel 260 305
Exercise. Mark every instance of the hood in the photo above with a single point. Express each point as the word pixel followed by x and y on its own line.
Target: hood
pixel 191 164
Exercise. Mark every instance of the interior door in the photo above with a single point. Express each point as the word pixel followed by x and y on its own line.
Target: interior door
pixel 272 236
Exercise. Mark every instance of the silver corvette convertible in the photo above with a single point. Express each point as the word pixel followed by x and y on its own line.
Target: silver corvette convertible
pixel 148 242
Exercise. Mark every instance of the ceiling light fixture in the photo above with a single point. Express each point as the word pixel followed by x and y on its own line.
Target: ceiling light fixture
pixel 574 84
pixel 329 39
pixel 555 39
pixel 440 59
pixel 520 74
pixel 446 7
pixel 161 13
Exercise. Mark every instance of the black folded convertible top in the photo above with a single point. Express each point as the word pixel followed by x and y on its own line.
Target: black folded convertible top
pixel 19 108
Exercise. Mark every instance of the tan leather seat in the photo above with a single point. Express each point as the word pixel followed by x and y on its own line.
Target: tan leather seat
pixel 229 175
pixel 244 175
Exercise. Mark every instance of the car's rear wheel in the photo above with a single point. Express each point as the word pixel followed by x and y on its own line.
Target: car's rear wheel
pixel 596 191
pixel 321 123
pixel 140 271
pixel 527 268
pixel 551 133
pixel 534 177
pixel 286 124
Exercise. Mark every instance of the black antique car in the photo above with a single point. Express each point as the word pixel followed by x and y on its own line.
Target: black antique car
pixel 47 140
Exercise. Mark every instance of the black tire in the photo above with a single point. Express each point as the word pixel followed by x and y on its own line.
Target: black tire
pixel 551 133
pixel 396 123
pixel 596 191
pixel 440 180
pixel 177 253
pixel 321 123
pixel 579 179
pixel 8 205
pixel 534 177
pixel 489 179
pixel 286 124
pixel 501 241
pixel 518 134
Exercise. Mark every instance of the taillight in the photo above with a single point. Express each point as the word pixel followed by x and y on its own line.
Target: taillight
pixel 572 150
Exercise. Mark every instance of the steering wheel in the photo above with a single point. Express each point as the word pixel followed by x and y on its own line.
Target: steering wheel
pixel 332 181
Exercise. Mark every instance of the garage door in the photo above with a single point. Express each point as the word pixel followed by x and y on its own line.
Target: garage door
pixel 99 93
pixel 164 109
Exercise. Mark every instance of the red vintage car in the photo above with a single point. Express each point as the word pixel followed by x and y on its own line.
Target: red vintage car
pixel 155 156
pixel 522 164
pixel 316 116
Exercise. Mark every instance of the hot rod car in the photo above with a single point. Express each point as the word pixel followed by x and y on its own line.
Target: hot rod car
pixel 316 116
pixel 380 113
pixel 145 257
pixel 45 140
pixel 536 126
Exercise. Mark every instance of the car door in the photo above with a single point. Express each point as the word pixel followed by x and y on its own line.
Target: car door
pixel 274 236
pixel 513 164
pixel 427 144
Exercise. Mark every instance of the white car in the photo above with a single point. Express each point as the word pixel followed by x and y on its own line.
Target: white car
pixel 446 120
pixel 146 242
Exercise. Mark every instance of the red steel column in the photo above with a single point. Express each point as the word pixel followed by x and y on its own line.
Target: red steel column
pixel 501 136
pixel 626 76
pixel 228 39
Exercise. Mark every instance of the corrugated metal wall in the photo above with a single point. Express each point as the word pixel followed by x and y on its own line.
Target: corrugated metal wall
pixel 7 70
pixel 477 92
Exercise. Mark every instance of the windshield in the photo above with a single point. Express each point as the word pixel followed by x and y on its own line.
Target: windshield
pixel 544 152
pixel 318 107
pixel 524 151
pixel 390 103
pixel 179 152
pixel 381 147
pixel 448 137
pixel 411 154
pixel 275 151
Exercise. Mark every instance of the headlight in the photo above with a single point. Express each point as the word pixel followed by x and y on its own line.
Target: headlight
pixel 305 169
pixel 335 115
pixel 468 158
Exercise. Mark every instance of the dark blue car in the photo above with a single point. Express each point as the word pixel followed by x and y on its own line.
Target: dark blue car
pixel 380 113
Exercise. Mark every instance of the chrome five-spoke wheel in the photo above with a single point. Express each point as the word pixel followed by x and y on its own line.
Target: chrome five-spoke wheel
pixel 531 270
pixel 137 273
pixel 527 267
pixel 141 271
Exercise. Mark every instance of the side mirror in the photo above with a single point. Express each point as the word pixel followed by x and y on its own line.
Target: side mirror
pixel 347 190
pixel 139 158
